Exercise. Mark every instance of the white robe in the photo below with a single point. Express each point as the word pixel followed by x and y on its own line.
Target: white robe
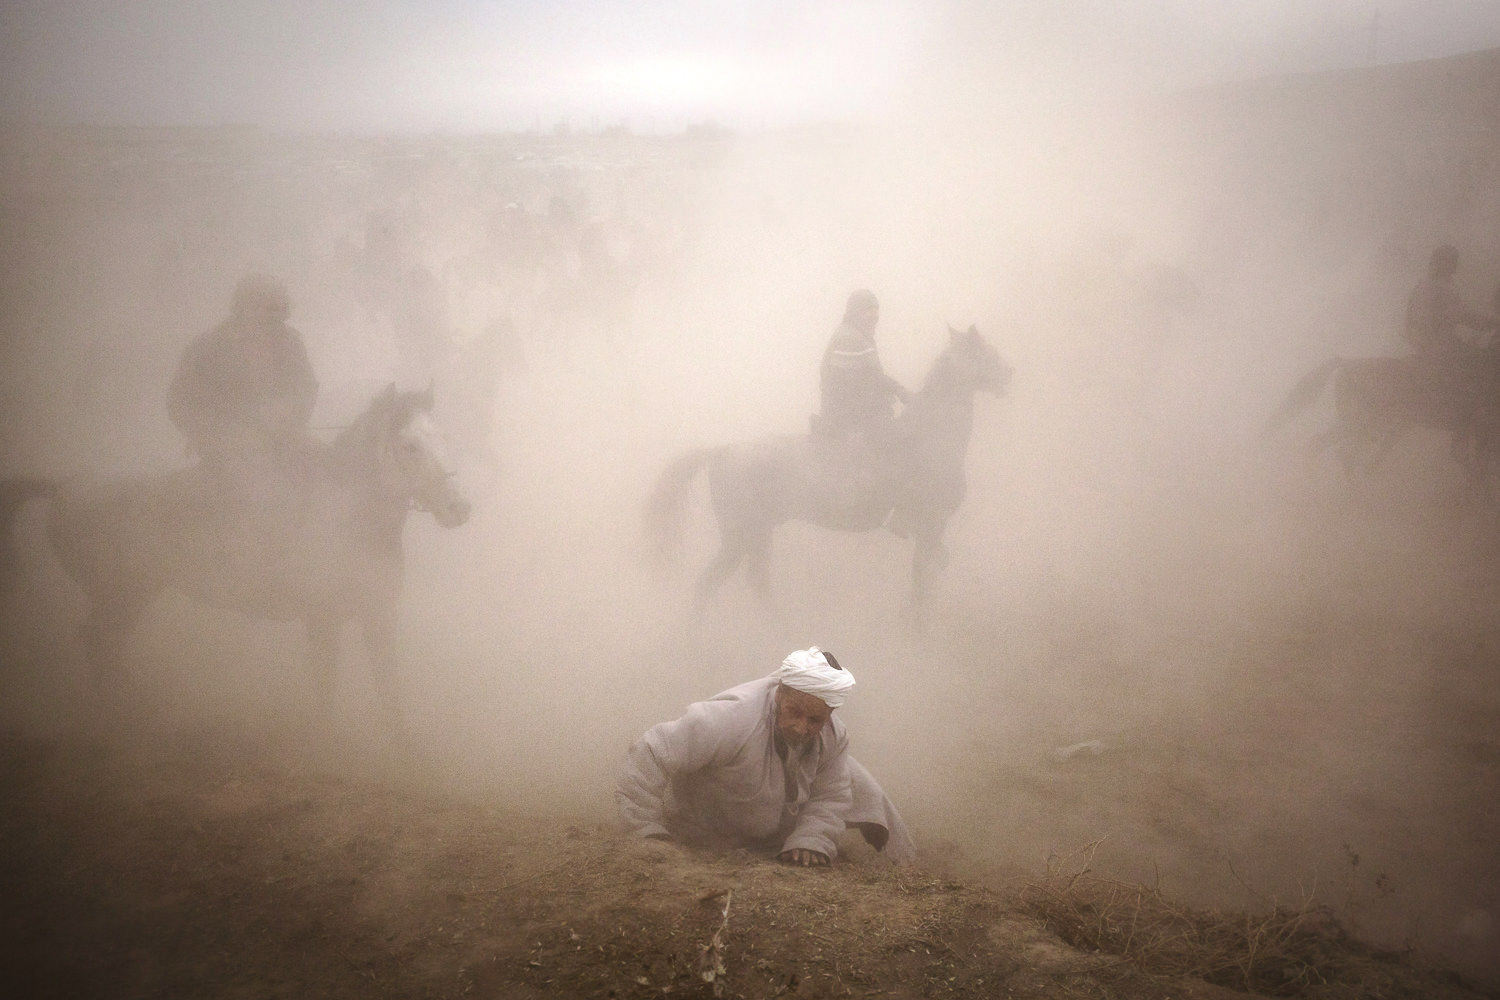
pixel 713 777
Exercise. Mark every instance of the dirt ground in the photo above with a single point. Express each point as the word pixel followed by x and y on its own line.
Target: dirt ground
pixel 1180 693
pixel 1324 739
pixel 164 864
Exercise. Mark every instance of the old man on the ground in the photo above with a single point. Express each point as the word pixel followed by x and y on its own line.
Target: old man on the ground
pixel 764 766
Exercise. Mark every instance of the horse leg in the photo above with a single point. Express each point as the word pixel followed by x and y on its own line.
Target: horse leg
pixel 1469 447
pixel 1347 444
pixel 1479 469
pixel 1382 449
pixel 103 643
pixel 106 632
pixel 1321 441
pixel 921 575
pixel 111 693
pixel 719 569
pixel 322 659
pixel 379 629
pixel 929 558
pixel 758 567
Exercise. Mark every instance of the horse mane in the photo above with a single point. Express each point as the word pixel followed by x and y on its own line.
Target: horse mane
pixel 387 408
pixel 942 376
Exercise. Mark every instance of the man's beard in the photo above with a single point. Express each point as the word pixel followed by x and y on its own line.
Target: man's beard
pixel 796 746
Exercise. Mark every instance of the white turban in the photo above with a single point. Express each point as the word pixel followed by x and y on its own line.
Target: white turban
pixel 809 671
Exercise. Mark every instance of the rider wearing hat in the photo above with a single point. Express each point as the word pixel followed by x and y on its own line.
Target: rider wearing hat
pixel 246 386
pixel 857 397
pixel 1451 364
pixel 856 392
pixel 1434 312
pixel 242 395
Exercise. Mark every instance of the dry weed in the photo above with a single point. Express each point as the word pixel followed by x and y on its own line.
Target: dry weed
pixel 1281 951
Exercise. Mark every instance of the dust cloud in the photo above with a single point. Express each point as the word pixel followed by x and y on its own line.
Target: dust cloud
pixel 1205 654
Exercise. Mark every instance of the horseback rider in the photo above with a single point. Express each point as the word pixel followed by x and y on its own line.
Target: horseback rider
pixel 246 385
pixel 242 396
pixel 857 397
pixel 1434 312
pixel 856 392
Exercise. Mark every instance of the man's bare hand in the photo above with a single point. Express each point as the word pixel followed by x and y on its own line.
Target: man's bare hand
pixel 802 856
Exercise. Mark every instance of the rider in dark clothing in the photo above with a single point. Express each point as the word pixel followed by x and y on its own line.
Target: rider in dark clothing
pixel 246 385
pixel 242 395
pixel 857 397
pixel 1434 312
pixel 856 392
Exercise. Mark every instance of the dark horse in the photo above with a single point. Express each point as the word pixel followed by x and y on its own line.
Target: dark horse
pixel 756 485
pixel 1377 400
pixel 329 554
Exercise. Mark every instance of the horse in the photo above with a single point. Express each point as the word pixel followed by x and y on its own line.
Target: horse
pixel 329 551
pixel 754 486
pixel 471 380
pixel 1377 400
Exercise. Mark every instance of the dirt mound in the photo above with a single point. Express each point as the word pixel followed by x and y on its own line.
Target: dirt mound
pixel 179 867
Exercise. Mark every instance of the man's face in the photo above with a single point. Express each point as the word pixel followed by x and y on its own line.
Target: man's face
pixel 867 319
pixel 800 716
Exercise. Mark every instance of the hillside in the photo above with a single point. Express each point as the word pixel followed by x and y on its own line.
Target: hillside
pixel 170 866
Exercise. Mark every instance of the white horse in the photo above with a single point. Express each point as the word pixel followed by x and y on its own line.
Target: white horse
pixel 756 485
pixel 328 553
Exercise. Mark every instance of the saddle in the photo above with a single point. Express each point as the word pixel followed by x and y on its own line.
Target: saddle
pixel 248 502
pixel 865 464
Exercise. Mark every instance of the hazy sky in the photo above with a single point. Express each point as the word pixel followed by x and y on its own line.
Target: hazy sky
pixel 466 64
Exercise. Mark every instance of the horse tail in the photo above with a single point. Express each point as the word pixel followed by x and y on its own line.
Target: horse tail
pixel 1306 392
pixel 664 508
pixel 14 494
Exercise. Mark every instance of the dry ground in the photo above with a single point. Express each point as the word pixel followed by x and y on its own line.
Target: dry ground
pixel 178 864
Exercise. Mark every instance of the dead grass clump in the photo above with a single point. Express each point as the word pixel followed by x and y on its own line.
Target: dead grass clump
pixel 1283 951
pixel 696 925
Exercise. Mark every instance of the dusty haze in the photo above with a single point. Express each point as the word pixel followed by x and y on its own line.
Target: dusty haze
pixel 1290 678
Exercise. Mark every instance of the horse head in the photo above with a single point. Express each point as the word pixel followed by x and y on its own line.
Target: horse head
pixel 410 455
pixel 972 362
